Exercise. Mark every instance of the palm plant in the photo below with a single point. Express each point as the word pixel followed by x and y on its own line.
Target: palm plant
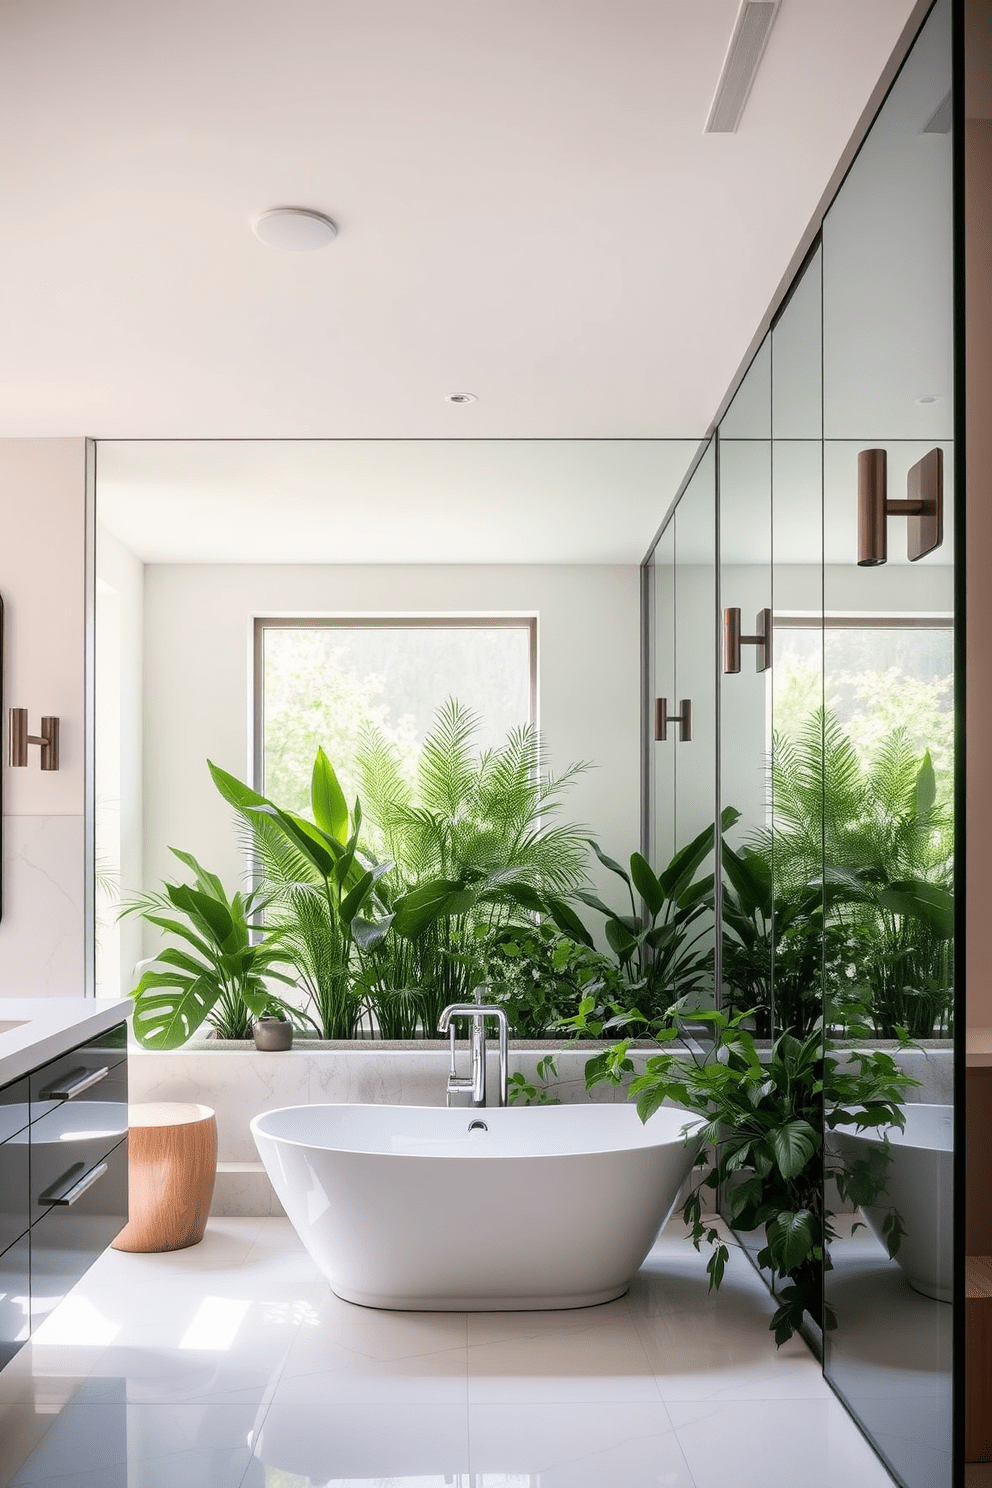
pixel 219 972
pixel 472 849
pixel 873 835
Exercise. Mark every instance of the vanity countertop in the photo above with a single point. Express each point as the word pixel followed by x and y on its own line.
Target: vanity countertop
pixel 36 1029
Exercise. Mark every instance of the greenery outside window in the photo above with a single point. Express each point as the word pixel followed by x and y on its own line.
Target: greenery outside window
pixel 321 681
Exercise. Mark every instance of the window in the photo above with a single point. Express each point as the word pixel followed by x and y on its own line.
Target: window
pixel 321 682
pixel 875 674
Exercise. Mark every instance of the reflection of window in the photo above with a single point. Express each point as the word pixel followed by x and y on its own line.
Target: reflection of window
pixel 876 674
pixel 320 682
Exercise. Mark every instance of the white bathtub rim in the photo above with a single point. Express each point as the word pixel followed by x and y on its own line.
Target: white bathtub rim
pixel 688 1132
pixel 903 1138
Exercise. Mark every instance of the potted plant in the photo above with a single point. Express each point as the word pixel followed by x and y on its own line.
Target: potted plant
pixel 273 1031
pixel 765 1116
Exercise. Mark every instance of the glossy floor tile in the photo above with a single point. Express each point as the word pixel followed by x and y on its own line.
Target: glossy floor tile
pixel 233 1365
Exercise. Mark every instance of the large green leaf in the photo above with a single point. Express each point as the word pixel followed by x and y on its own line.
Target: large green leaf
pixel 793 1144
pixel 164 1020
pixel 750 875
pixel 791 1235
pixel 922 901
pixel 647 884
pixel 415 911
pixel 303 836
pixel 330 809
pixel 208 882
pixel 567 920
pixel 608 862
pixel 926 786
pixel 679 874
pixel 212 915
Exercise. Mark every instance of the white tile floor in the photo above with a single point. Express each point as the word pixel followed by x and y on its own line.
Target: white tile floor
pixel 232 1365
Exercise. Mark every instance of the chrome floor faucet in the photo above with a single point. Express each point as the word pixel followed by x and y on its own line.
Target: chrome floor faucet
pixel 474 1085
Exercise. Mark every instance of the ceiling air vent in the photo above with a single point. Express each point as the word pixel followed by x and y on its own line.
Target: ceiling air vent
pixel 747 47
pixel 939 121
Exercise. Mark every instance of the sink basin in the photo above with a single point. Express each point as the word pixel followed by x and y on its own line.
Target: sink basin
pixel 5 1027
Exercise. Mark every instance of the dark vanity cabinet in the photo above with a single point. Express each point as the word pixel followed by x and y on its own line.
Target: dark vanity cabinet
pixel 63 1178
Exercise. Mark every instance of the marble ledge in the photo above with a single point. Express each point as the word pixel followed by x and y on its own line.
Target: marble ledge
pixel 34 1030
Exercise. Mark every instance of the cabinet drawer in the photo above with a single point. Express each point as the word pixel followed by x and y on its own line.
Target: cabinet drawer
pixel 15 1291
pixel 14 1192
pixel 68 1238
pixel 67 1143
pixel 97 1071
pixel 13 1110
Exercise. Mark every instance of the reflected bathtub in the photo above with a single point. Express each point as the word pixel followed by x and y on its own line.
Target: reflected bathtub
pixel 920 1185
pixel 431 1209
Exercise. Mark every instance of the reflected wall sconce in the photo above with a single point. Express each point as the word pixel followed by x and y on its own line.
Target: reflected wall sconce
pixel 682 719
pixel 47 740
pixel 924 506
pixel 733 640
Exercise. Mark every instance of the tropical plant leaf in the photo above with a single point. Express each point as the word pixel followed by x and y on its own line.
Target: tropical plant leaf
pixel 330 809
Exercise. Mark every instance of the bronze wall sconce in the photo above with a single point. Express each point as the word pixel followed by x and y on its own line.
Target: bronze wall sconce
pixel 47 740
pixel 682 719
pixel 924 506
pixel 733 640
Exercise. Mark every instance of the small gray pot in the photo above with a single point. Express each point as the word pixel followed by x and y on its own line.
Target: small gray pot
pixel 273 1035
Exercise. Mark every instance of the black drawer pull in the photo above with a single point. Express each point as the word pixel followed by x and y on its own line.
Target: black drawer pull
pixel 77 1189
pixel 66 1092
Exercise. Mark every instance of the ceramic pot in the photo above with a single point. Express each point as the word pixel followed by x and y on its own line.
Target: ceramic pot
pixel 273 1035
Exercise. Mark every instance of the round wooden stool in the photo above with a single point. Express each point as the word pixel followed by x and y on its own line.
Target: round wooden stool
pixel 172 1163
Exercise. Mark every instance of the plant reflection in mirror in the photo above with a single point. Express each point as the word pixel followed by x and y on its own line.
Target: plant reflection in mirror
pixel 765 1115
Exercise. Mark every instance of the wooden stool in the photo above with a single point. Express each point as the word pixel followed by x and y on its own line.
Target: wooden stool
pixel 172 1163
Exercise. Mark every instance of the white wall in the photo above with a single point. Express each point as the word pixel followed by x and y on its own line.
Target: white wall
pixel 119 694
pixel 42 582
pixel 198 626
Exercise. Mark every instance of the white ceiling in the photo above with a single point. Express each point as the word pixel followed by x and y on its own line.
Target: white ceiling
pixel 388 501
pixel 529 210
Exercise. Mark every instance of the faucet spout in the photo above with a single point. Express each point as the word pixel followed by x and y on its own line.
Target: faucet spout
pixel 475 1084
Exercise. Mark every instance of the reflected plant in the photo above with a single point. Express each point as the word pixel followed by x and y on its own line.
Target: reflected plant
pixel 872 839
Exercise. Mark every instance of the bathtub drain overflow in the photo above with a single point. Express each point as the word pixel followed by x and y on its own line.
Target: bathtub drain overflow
pixel 477 1126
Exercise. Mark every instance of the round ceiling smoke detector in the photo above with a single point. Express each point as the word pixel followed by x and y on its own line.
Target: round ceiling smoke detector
pixel 294 229
pixel 460 398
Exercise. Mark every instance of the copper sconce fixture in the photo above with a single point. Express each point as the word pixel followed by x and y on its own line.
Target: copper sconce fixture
pixel 47 740
pixel 662 718
pixel 924 506
pixel 733 640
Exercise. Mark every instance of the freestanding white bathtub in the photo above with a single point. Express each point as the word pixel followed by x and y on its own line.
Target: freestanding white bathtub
pixel 919 1184
pixel 504 1209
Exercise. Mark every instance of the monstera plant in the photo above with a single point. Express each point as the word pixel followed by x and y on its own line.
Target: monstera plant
pixel 219 968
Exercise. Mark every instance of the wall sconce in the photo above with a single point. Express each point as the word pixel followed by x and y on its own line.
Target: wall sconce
pixel 662 718
pixel 924 507
pixel 47 740
pixel 733 640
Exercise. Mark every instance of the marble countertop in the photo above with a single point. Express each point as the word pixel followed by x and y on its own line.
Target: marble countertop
pixel 36 1029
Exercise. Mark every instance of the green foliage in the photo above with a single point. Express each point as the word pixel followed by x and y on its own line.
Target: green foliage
pixel 764 1115
pixel 662 954
pixel 523 1092
pixel 874 833
pixel 540 977
pixel 217 973
pixel 473 852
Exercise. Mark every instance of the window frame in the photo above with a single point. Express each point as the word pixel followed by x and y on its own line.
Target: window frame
pixel 502 620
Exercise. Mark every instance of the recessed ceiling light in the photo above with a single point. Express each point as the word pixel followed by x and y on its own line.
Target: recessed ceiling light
pixel 460 398
pixel 294 229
